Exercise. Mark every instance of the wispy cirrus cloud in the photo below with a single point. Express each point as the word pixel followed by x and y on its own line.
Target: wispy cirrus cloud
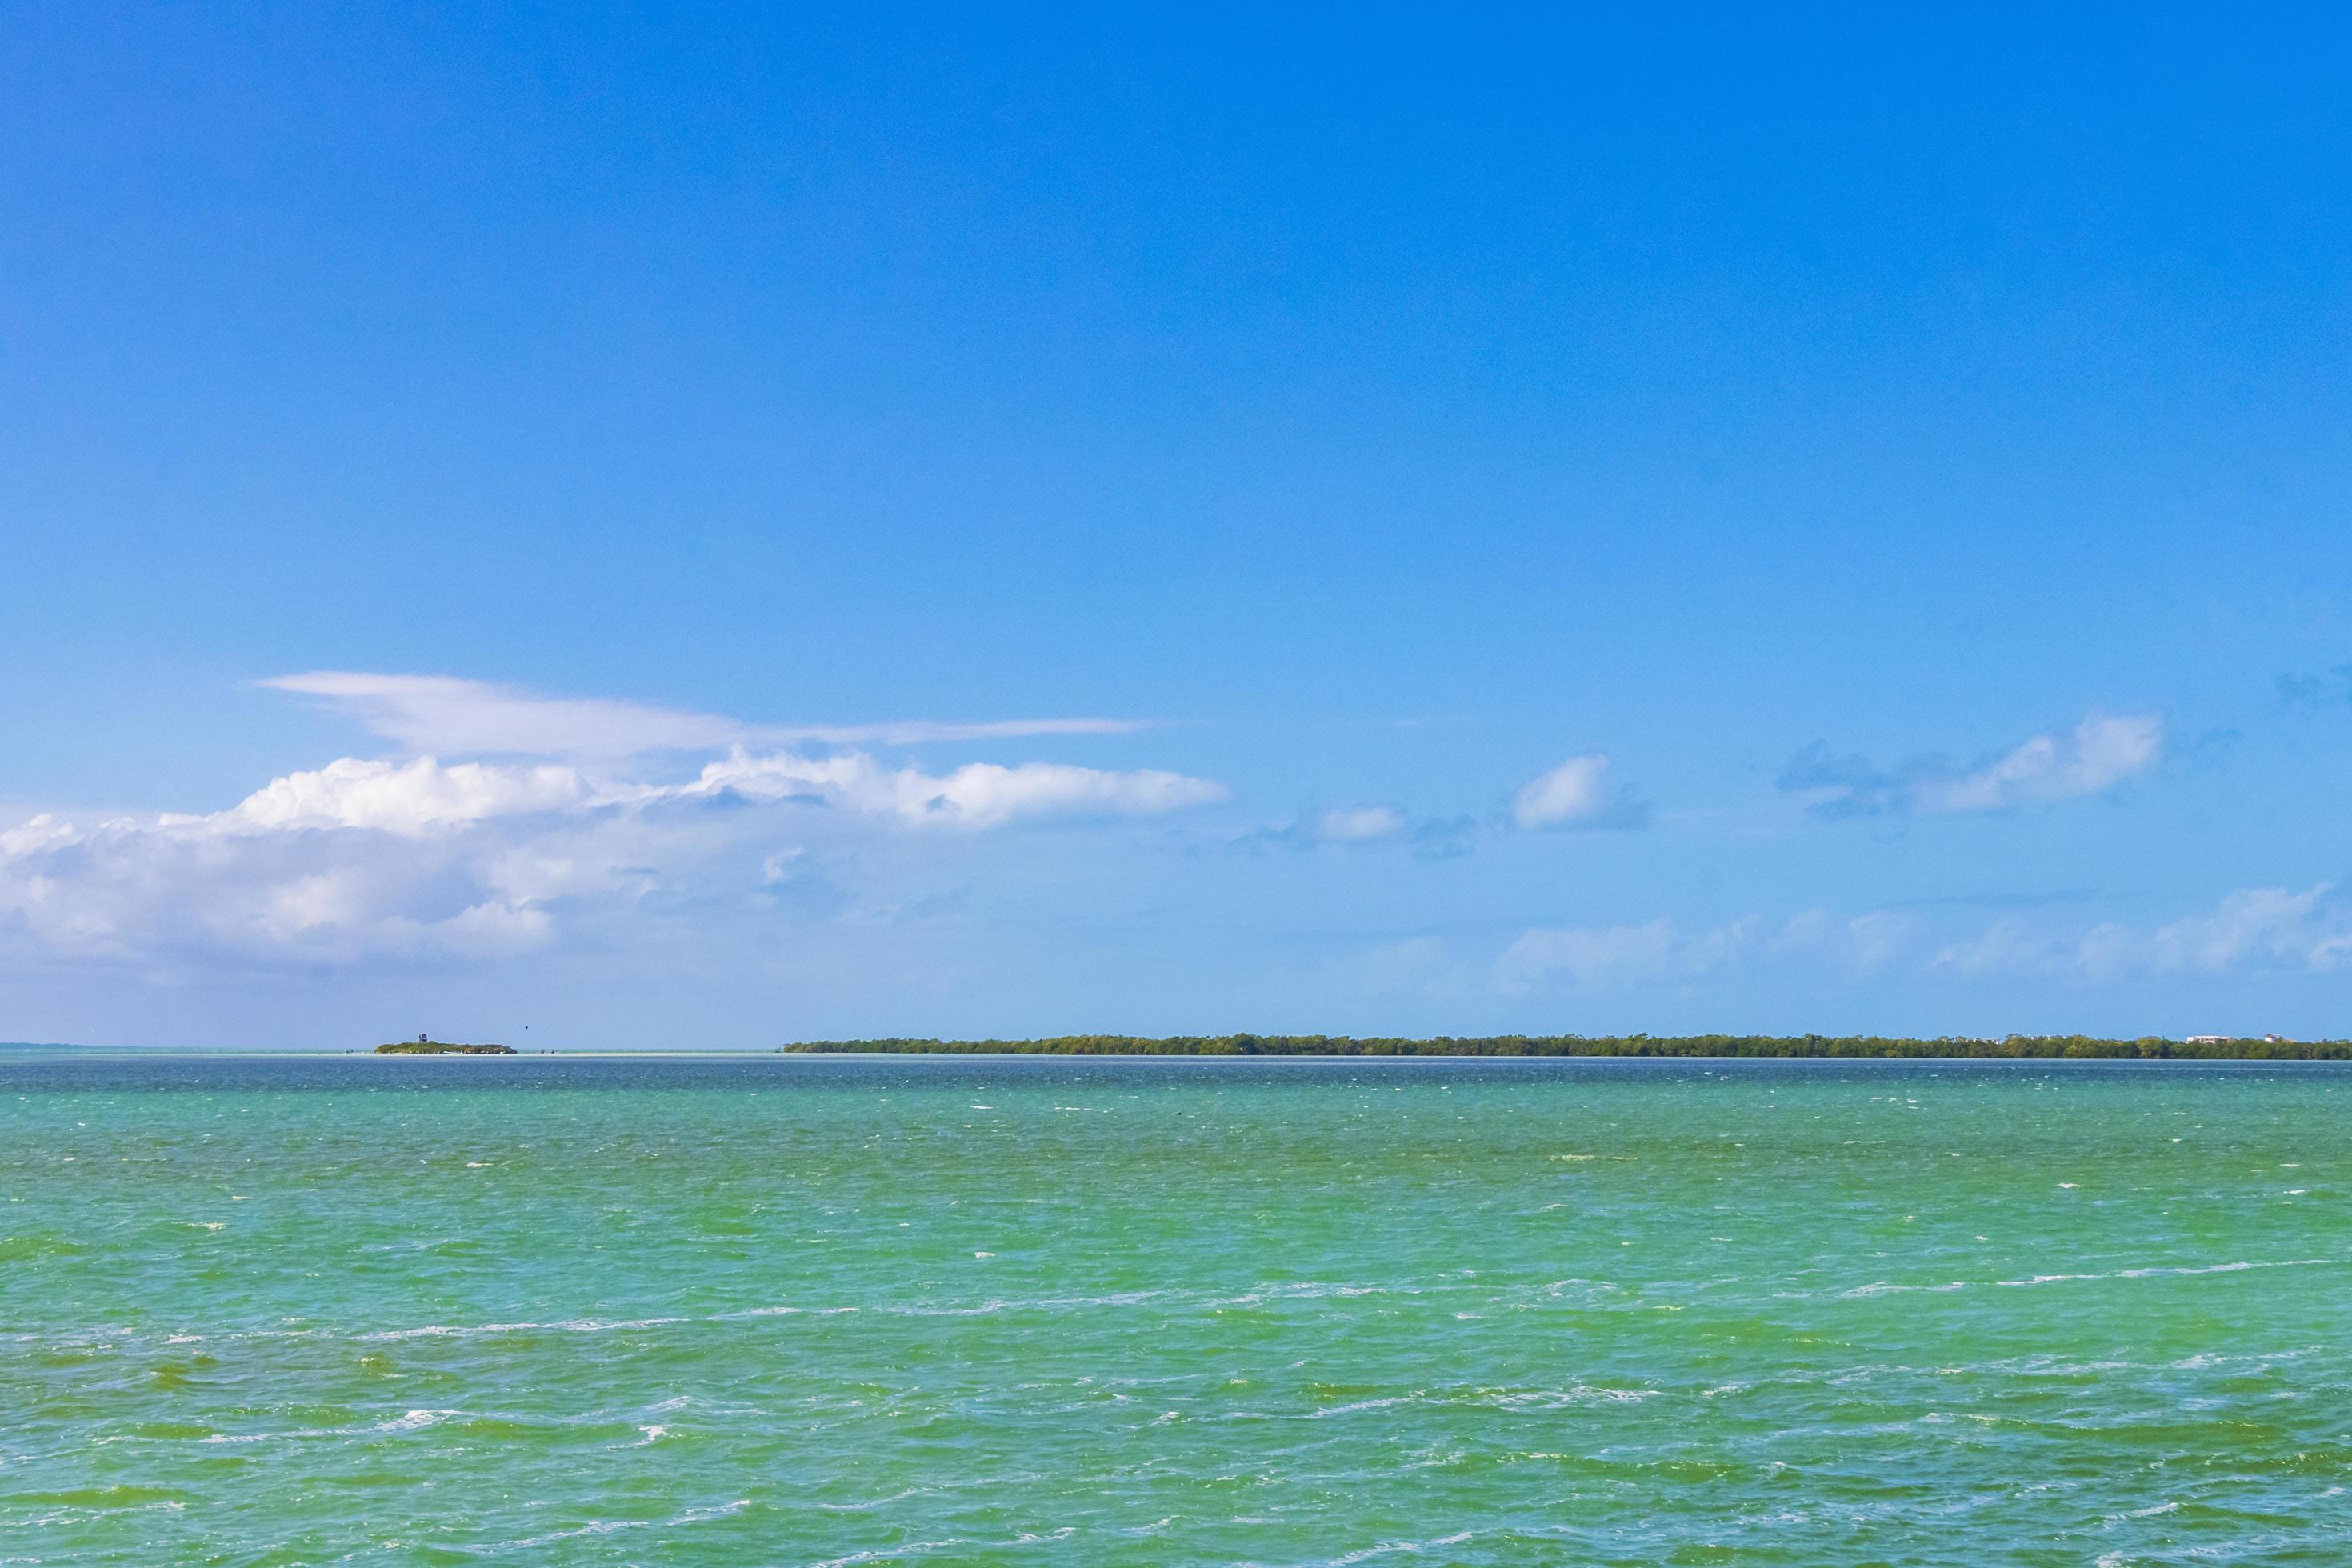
pixel 449 715
pixel 2096 756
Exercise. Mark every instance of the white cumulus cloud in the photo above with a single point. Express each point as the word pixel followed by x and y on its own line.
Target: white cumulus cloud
pixel 418 798
pixel 978 794
pixel 1354 823
pixel 1579 793
pixel 2274 925
pixel 2093 758
pixel 2100 753
pixel 427 857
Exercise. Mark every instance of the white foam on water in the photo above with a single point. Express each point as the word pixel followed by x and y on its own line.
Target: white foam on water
pixel 1154 1528
pixel 1393 1548
pixel 870 1503
pixel 566 1325
pixel 892 1554
pixel 2155 1272
pixel 613 1526
pixel 414 1421
pixel 1559 1398
pixel 1887 1287
pixel 987 1309
pixel 1360 1405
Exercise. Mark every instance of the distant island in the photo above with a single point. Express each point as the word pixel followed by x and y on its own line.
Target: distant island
pixel 421 1047
pixel 2201 1047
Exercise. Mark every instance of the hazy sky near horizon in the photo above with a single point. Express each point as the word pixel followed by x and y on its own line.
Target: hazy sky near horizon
pixel 616 525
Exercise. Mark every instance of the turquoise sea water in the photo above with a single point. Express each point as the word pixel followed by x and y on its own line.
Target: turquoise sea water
pixel 792 1311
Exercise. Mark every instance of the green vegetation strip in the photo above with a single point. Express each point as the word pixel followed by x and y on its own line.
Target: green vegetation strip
pixel 2014 1047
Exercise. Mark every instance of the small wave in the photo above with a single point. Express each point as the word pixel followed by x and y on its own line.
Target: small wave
pixel 1384 1403
pixel 566 1325
pixel 1392 1548
pixel 987 1309
pixel 1886 1287
pixel 1302 1291
pixel 912 1549
pixel 2155 1272
pixel 870 1502
pixel 613 1526
pixel 413 1421
pixel 1561 1399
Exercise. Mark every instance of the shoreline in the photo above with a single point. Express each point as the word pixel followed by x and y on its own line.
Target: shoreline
pixel 1736 1047
pixel 769 1054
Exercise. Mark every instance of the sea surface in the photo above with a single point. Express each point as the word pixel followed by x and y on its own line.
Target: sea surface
pixel 798 1310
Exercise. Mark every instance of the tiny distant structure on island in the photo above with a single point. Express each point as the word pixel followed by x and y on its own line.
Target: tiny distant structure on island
pixel 426 1045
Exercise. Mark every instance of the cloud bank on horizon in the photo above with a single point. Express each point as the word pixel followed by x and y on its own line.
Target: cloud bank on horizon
pixel 373 856
pixel 510 824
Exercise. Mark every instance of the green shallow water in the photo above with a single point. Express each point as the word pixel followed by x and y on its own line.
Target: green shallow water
pixel 791 1312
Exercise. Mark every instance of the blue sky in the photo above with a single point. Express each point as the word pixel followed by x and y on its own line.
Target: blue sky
pixel 604 525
